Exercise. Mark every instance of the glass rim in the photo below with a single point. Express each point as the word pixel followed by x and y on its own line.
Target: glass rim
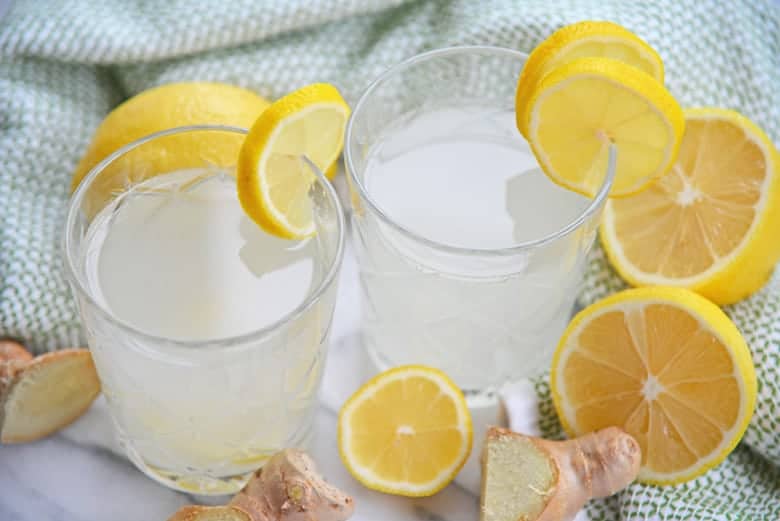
pixel 517 248
pixel 253 336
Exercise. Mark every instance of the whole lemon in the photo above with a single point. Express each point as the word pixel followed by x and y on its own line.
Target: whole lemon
pixel 169 106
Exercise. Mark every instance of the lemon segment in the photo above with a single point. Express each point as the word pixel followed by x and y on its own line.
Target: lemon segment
pixel 712 223
pixel 583 106
pixel 666 365
pixel 272 177
pixel 582 40
pixel 407 432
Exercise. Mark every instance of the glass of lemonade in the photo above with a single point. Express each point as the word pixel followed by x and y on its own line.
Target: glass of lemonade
pixel 470 258
pixel 209 335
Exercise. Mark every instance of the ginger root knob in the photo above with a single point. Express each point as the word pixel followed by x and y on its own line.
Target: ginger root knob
pixel 287 488
pixel 540 480
pixel 39 396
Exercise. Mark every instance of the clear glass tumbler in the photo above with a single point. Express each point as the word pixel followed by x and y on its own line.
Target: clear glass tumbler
pixel 469 256
pixel 209 335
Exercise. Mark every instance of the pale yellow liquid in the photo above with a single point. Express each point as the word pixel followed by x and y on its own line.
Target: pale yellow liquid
pixel 465 177
pixel 177 258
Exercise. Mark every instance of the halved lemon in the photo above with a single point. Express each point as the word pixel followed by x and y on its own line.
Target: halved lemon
pixel 581 107
pixel 712 224
pixel 582 40
pixel 666 365
pixel 272 177
pixel 406 432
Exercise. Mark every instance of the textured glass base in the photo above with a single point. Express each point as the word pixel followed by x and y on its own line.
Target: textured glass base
pixel 202 483
pixel 205 485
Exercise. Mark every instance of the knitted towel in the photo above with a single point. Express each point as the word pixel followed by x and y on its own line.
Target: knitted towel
pixel 64 64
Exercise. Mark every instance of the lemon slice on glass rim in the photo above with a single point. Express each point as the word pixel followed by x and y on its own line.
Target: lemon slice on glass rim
pixel 581 40
pixel 274 171
pixel 582 107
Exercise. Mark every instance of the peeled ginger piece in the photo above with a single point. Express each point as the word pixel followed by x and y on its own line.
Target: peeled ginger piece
pixel 531 479
pixel 41 395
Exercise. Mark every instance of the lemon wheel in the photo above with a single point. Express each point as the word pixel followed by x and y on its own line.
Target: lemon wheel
pixel 271 176
pixel 582 107
pixel 582 40
pixel 406 432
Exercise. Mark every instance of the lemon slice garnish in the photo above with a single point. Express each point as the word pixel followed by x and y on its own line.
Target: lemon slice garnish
pixel 582 40
pixel 582 107
pixel 272 176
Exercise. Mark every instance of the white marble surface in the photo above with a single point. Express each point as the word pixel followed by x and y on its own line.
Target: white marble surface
pixel 80 474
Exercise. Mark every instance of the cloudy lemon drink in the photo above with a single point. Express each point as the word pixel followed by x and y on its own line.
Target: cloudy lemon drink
pixel 469 256
pixel 208 331
pixel 497 318
pixel 176 258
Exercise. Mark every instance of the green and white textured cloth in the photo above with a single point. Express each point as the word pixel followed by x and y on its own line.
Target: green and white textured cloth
pixel 64 64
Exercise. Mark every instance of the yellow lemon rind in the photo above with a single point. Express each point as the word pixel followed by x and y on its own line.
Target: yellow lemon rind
pixel 746 269
pixel 561 41
pixel 710 316
pixel 333 170
pixel 378 484
pixel 215 103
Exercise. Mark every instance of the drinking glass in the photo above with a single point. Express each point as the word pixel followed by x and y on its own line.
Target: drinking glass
pixel 470 258
pixel 208 362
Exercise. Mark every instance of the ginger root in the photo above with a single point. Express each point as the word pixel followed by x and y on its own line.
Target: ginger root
pixel 10 350
pixel 201 513
pixel 40 395
pixel 287 488
pixel 531 479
